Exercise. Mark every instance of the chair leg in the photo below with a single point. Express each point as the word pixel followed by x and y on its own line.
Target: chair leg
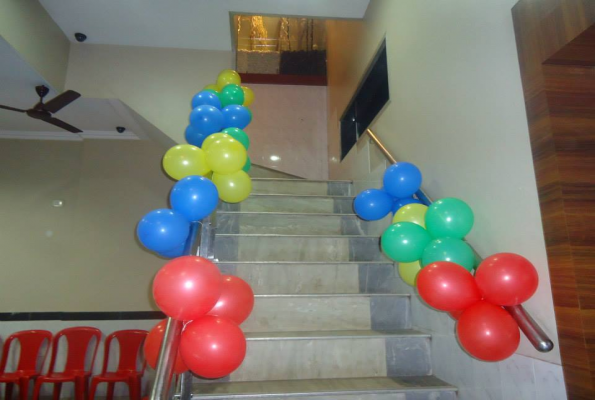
pixel 36 389
pixel 57 390
pixel 79 389
pixel 93 389
pixel 110 390
pixel 134 388
pixel 23 388
pixel 8 390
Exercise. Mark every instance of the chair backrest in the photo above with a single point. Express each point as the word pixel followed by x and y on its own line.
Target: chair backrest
pixel 31 343
pixel 79 340
pixel 130 342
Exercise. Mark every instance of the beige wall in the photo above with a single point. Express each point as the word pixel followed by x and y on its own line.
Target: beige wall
pixel 27 27
pixel 457 111
pixel 82 256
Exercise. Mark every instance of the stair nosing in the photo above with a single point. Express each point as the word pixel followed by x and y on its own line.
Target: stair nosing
pixel 300 195
pixel 305 262
pixel 302 180
pixel 297 235
pixel 288 213
pixel 333 335
pixel 331 295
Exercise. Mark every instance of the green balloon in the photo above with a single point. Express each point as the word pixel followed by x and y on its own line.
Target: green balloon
pixel 231 94
pixel 238 135
pixel 449 249
pixel 248 165
pixel 449 217
pixel 404 241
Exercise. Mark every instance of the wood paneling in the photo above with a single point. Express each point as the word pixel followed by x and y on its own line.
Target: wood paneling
pixel 556 48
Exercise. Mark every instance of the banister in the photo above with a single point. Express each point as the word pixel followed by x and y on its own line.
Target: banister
pixel 534 333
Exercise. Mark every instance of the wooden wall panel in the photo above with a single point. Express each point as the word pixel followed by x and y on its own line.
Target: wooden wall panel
pixel 556 48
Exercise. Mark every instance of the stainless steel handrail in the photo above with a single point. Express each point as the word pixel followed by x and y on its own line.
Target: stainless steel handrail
pixel 536 335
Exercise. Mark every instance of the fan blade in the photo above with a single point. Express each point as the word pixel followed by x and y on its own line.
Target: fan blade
pixel 12 109
pixel 61 101
pixel 62 124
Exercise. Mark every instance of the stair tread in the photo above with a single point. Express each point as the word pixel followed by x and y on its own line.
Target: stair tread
pixel 300 180
pixel 341 334
pixel 387 262
pixel 302 295
pixel 297 235
pixel 309 214
pixel 335 386
pixel 330 196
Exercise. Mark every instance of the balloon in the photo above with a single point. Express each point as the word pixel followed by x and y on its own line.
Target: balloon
pixel 162 230
pixel 447 286
pixel 238 135
pixel 225 156
pixel 232 94
pixel 248 96
pixel 212 347
pixel 236 301
pixel 212 87
pixel 206 120
pixel 398 203
pixel 236 117
pixel 372 204
pixel 228 77
pixel 234 187
pixel 173 253
pixel 213 138
pixel 187 287
pixel 402 179
pixel 449 217
pixel 153 345
pixel 247 166
pixel 206 98
pixel 193 137
pixel 404 241
pixel 194 197
pixel 456 314
pixel 449 249
pixel 488 332
pixel 506 279
pixel 183 160
pixel 411 213
pixel 409 271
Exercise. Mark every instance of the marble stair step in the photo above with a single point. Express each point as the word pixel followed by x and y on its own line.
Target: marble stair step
pixel 292 203
pixel 381 388
pixel 333 354
pixel 328 312
pixel 291 223
pixel 262 247
pixel 298 277
pixel 301 186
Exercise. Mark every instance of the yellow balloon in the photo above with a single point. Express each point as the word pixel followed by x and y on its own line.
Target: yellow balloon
pixel 409 271
pixel 185 160
pixel 225 156
pixel 248 96
pixel 415 213
pixel 212 86
pixel 228 77
pixel 212 138
pixel 234 187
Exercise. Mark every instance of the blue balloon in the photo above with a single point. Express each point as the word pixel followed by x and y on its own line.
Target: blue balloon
pixel 206 120
pixel 162 230
pixel 402 180
pixel 372 204
pixel 236 117
pixel 398 203
pixel 206 98
pixel 194 197
pixel 174 253
pixel 193 137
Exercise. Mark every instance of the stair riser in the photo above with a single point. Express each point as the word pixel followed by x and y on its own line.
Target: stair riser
pixel 334 358
pixel 413 395
pixel 295 204
pixel 297 248
pixel 289 224
pixel 302 187
pixel 296 278
pixel 327 313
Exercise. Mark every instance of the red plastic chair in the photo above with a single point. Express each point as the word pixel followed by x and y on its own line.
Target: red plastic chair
pixel 79 341
pixel 27 368
pixel 130 342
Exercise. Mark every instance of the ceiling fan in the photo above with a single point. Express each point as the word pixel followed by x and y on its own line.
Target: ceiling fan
pixel 43 111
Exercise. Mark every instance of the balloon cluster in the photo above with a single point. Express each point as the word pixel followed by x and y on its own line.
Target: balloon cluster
pixel 191 288
pixel 212 166
pixel 428 243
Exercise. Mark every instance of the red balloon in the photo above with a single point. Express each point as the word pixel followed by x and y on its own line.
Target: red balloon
pixel 153 344
pixel 236 301
pixel 447 286
pixel 488 332
pixel 456 314
pixel 212 347
pixel 187 287
pixel 506 279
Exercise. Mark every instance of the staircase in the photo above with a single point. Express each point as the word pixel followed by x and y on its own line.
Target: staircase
pixel 327 323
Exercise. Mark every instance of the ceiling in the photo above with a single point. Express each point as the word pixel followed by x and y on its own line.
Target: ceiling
pixel 189 24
